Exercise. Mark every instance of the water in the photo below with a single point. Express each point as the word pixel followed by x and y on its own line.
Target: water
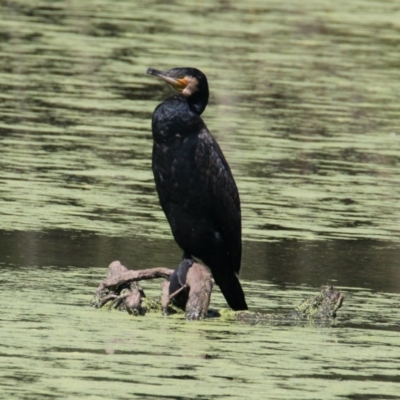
pixel 55 346
pixel 304 102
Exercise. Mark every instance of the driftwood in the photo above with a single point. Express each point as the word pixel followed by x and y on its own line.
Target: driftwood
pixel 121 288
pixel 122 291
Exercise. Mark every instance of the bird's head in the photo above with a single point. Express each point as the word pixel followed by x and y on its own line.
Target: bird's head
pixel 190 82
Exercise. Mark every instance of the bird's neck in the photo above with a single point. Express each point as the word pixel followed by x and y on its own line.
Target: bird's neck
pixel 198 102
pixel 174 119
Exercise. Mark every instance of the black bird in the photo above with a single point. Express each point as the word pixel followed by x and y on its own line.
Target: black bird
pixel 195 185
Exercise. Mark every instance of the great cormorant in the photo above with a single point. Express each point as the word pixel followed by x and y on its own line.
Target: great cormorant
pixel 195 185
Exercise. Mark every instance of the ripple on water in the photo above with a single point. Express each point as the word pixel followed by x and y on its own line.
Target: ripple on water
pixel 303 107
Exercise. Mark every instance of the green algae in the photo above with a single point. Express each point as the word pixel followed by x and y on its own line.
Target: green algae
pixel 54 345
pixel 304 102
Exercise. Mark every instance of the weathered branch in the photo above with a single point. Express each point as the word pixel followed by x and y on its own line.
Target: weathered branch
pixel 122 290
pixel 121 287
pixel 199 281
pixel 119 274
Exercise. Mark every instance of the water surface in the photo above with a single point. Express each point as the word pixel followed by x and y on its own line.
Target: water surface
pixel 304 102
pixel 305 105
pixel 55 346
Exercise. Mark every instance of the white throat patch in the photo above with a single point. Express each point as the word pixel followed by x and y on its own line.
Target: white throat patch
pixel 191 87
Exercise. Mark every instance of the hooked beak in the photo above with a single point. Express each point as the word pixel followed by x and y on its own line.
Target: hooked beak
pixel 179 84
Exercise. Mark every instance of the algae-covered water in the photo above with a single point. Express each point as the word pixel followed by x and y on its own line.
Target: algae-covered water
pixel 305 105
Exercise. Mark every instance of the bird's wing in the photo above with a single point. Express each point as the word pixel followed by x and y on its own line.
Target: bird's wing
pixel 225 195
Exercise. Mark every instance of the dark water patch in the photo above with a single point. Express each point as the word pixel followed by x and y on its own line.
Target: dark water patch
pixel 367 378
pixel 369 396
pixel 47 14
pixel 173 397
pixel 105 29
pixel 373 324
pixel 359 263
pixel 180 377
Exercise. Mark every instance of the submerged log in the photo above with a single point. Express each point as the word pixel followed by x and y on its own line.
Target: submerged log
pixel 122 291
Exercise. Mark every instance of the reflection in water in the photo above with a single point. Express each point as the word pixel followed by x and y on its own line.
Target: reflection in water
pixel 364 264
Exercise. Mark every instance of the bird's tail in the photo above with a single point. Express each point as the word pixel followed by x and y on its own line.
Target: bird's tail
pixel 232 291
